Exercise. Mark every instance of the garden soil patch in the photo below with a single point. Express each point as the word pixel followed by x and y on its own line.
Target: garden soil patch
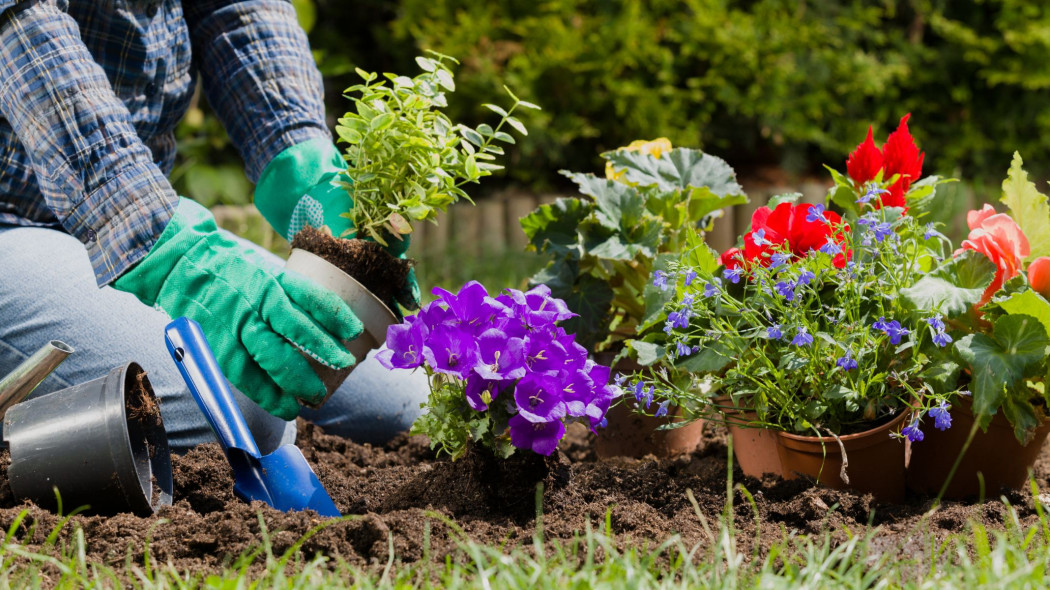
pixel 401 490
pixel 382 274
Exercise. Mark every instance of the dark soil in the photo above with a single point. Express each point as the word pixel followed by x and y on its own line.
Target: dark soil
pixel 382 274
pixel 400 490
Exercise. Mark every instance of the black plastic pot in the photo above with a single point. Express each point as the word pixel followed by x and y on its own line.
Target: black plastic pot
pixel 101 443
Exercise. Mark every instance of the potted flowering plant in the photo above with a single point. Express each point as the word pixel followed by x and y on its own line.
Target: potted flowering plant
pixel 604 244
pixel 1001 343
pixel 805 328
pixel 503 373
pixel 405 162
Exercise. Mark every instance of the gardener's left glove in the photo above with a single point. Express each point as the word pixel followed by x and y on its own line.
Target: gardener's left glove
pixel 299 188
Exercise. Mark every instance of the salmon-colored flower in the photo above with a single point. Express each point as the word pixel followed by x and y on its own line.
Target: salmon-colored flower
pixel 654 148
pixel 864 162
pixel 1039 275
pixel 997 236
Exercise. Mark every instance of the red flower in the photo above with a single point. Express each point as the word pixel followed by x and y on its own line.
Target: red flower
pixel 788 224
pixel 865 161
pixel 900 156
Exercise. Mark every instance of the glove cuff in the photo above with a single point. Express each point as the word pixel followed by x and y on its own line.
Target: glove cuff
pixel 291 175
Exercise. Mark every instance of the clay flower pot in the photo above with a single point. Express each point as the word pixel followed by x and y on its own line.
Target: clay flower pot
pixel 754 449
pixel 629 434
pixel 373 313
pixel 875 460
pixel 996 455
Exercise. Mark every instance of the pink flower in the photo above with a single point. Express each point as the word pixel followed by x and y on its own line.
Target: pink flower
pixel 997 236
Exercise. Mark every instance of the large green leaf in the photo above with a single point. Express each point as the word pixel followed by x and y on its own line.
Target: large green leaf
pixel 591 299
pixel 954 287
pixel 618 205
pixel 553 226
pixel 1028 303
pixel 998 363
pixel 711 359
pixel 1028 207
pixel 680 168
pixel 703 200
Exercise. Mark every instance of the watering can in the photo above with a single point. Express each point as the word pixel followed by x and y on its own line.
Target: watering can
pixel 283 479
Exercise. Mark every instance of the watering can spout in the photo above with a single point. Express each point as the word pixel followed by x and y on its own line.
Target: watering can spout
pixel 23 380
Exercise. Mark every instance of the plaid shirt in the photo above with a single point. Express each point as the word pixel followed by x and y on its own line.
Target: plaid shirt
pixel 91 91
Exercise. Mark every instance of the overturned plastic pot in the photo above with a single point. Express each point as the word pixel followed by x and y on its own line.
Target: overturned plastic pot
pixel 100 443
pixel 375 316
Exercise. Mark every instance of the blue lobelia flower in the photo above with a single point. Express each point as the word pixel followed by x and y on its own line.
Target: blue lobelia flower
pixel 733 274
pixel 661 410
pixel 882 231
pixel 847 362
pixel 941 339
pixel 687 301
pixel 682 349
pixel 774 333
pixel 892 329
pixel 786 289
pixel 638 388
pixel 936 323
pixel 660 279
pixel 802 337
pixel 711 289
pixel 929 231
pixel 778 259
pixel 831 248
pixel 942 420
pixel 805 277
pixel 912 432
pixel 689 277
pixel 759 237
pixel 871 191
pixel 816 213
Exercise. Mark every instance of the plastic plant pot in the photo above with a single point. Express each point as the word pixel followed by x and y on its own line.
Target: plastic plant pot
pixel 373 313
pixel 100 443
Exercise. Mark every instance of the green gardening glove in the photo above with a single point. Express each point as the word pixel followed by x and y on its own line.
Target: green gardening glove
pixel 256 319
pixel 298 188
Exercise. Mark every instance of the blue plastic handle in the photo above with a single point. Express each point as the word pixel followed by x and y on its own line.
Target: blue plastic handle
pixel 200 370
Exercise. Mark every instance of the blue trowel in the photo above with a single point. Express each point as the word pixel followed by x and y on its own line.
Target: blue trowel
pixel 283 479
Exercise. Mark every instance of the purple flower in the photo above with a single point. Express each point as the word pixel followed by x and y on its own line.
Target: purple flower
pixel 786 290
pixel 802 337
pixel 648 396
pixel 882 231
pixel 733 274
pixel 539 399
pixel 404 345
pixel 472 306
pixel 502 358
pixel 912 432
pixel 539 437
pixel 778 259
pixel 831 248
pixel 544 353
pixel 872 190
pixel 759 237
pixel 682 349
pixel 774 333
pixel 941 339
pixel 929 231
pixel 711 289
pixel 847 362
pixel 451 350
pixel 805 277
pixel 936 323
pixel 661 410
pixel 816 213
pixel 942 420
pixel 892 329
pixel 687 301
pixel 577 390
pixel 660 279
pixel 480 392
pixel 639 387
pixel 689 277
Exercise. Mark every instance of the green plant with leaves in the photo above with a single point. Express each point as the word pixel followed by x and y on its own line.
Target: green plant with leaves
pixel 406 160
pixel 604 244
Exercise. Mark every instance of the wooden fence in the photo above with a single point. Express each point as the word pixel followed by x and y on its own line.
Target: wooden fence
pixel 492 226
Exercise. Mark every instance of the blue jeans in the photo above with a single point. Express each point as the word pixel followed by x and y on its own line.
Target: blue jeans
pixel 48 292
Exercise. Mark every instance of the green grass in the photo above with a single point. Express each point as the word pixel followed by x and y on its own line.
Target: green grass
pixel 1014 557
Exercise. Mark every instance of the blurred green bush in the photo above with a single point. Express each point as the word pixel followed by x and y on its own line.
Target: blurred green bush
pixel 788 83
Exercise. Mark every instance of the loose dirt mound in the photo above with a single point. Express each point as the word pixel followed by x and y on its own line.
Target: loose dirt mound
pixel 400 489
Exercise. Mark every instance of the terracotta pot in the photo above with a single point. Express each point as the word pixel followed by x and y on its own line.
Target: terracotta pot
pixel 875 460
pixel 373 313
pixel 996 454
pixel 755 450
pixel 633 435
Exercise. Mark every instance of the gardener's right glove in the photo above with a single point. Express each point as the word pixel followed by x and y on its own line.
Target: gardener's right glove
pixel 256 319
pixel 298 188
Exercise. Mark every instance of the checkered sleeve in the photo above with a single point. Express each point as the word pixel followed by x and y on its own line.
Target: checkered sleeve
pixel 93 170
pixel 259 76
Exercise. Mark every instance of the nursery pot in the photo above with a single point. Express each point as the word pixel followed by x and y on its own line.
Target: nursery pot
pixel 1002 461
pixel 875 460
pixel 100 443
pixel 754 448
pixel 629 434
pixel 375 316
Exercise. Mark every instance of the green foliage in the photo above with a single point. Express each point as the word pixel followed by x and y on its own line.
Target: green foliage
pixel 604 245
pixel 1028 207
pixel 406 160
pixel 791 81
pixel 953 287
